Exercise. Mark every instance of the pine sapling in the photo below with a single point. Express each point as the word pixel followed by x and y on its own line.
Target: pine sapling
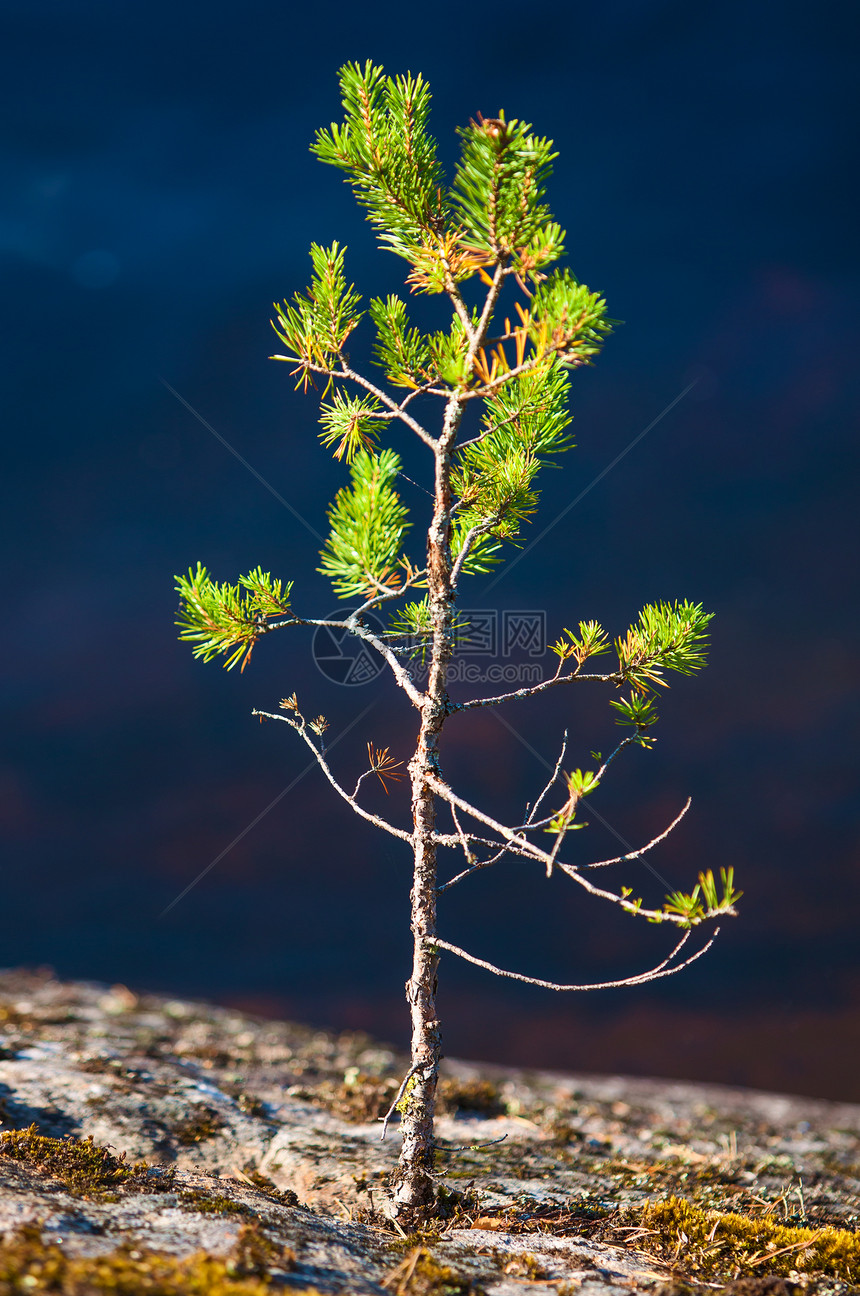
pixel 498 377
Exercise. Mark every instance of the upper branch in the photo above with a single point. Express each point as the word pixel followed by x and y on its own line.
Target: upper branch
pixel 398 411
pixel 530 690
pixel 385 594
pixel 456 298
pixel 480 334
pixel 473 534
pixel 401 675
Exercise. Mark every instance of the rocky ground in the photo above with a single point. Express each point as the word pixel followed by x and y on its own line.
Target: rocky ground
pixel 233 1155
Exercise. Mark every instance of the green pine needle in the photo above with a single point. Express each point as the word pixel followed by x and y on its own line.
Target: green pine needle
pixel 368 524
pixel 349 425
pixel 499 189
pixel 666 637
pixel 315 327
pixel 389 157
pixel 228 619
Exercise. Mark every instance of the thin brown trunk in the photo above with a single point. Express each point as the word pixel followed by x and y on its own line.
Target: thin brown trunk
pixel 413 1180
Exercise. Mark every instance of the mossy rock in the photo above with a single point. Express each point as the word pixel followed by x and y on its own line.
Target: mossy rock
pixel 715 1244
pixel 29 1265
pixel 82 1167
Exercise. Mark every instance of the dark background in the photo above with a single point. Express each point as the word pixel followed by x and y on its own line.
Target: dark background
pixel 159 195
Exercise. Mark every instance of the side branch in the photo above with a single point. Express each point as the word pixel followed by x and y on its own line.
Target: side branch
pixel 487 388
pixel 550 784
pixel 385 594
pixel 530 690
pixel 507 834
pixel 522 846
pixel 480 333
pixel 350 375
pixel 413 1071
pixel 476 865
pixel 661 970
pixel 473 534
pixel 399 411
pixel 404 679
pixel 637 854
pixel 323 764
pixel 456 299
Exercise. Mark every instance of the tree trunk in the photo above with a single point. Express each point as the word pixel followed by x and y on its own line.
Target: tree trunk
pixel 413 1184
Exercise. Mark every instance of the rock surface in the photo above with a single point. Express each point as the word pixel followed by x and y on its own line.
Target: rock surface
pixel 274 1127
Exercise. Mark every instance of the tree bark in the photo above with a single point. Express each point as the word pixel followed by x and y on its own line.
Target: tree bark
pixel 413 1183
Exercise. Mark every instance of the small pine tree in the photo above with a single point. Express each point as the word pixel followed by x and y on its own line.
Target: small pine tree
pixel 486 239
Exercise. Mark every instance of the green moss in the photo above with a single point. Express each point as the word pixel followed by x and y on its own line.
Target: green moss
pixel 713 1244
pixel 361 1097
pixel 285 1196
pixel 204 1203
pixel 251 1105
pixel 423 1235
pixel 525 1265
pixel 256 1253
pixel 200 1124
pixel 28 1265
pixel 419 1274
pixel 477 1097
pixel 83 1167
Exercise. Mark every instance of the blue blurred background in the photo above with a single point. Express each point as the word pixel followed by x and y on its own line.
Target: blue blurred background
pixel 159 194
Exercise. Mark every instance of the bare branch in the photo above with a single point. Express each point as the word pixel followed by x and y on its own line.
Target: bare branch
pixel 397 411
pixel 507 834
pixel 625 742
pixel 451 839
pixel 574 798
pixel 637 854
pixel 476 867
pixel 494 427
pixel 301 730
pixel 460 306
pixel 402 676
pixel 359 780
pixel 385 594
pixel 531 690
pixel 509 847
pixel 530 821
pixel 480 528
pixel 661 970
pixel 480 334
pixel 470 859
pixel 523 846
